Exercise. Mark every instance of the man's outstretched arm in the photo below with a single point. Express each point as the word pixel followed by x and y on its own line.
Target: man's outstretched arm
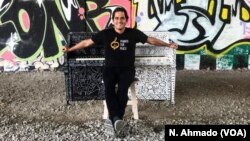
pixel 158 42
pixel 83 44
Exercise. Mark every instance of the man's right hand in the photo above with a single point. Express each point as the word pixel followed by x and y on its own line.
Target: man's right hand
pixel 65 49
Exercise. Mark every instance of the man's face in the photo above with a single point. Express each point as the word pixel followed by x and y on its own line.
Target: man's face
pixel 119 20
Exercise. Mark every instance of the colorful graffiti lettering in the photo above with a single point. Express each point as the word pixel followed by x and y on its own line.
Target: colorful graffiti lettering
pixel 32 31
pixel 194 24
pixel 39 26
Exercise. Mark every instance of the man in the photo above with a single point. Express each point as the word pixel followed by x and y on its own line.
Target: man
pixel 119 43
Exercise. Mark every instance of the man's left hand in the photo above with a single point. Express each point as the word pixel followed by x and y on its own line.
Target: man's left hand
pixel 173 45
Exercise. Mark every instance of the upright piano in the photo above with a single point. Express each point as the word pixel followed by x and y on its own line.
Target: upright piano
pixel 155 69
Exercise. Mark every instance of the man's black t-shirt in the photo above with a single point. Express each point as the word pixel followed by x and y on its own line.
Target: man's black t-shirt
pixel 119 48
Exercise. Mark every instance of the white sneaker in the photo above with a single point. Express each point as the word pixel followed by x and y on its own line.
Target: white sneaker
pixel 119 125
pixel 109 129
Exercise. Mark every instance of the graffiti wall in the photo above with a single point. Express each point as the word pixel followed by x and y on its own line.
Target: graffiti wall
pixel 212 34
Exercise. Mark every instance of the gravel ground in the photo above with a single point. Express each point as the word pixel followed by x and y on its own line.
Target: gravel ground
pixel 33 107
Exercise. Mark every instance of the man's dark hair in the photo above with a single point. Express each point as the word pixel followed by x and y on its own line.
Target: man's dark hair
pixel 120 9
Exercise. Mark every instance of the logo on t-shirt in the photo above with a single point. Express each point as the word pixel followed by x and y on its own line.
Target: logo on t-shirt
pixel 114 44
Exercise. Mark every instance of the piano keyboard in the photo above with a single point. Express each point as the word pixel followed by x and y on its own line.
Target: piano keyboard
pixel 89 59
pixel 152 61
pixel 138 60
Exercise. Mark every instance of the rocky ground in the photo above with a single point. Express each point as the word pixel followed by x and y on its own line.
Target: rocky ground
pixel 33 107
